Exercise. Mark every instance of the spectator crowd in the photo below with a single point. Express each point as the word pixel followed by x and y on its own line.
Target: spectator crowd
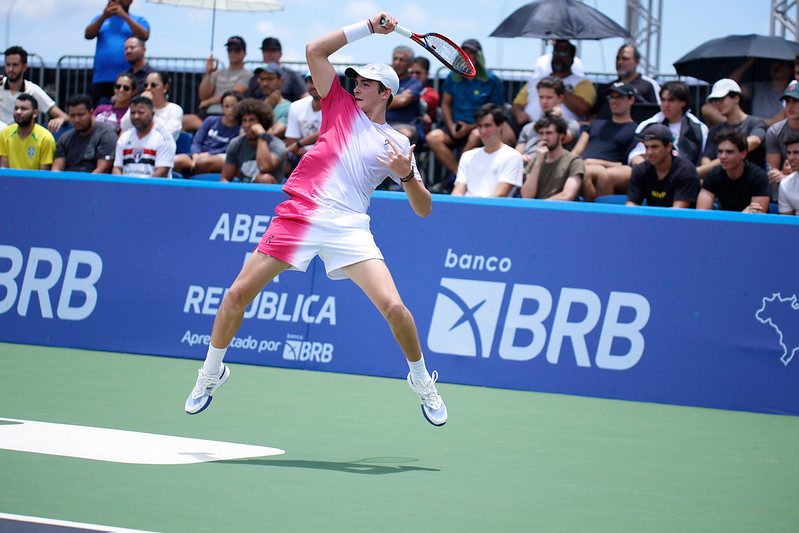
pixel 561 137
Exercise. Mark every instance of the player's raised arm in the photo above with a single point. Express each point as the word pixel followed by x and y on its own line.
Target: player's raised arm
pixel 318 51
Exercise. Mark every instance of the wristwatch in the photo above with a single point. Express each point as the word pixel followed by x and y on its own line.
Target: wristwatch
pixel 264 136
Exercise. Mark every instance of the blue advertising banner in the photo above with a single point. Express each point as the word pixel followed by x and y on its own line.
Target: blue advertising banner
pixel 646 304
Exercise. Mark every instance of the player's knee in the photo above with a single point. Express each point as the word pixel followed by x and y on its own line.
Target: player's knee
pixel 394 311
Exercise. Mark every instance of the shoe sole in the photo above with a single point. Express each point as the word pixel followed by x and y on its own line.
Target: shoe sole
pixel 222 380
pixel 428 418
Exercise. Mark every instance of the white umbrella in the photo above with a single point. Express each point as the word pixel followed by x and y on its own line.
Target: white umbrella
pixel 224 5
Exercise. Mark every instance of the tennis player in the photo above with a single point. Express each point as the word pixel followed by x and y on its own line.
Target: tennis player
pixel 325 215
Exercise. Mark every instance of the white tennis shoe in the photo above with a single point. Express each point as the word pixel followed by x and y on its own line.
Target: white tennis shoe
pixel 203 391
pixel 433 407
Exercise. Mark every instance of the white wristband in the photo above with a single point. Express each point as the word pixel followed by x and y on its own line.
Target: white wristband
pixel 356 31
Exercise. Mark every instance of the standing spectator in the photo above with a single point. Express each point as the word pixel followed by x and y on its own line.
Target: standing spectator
pixel 217 82
pixel 256 156
pixel 556 173
pixel 403 110
pixel 550 98
pixel 726 97
pixel 736 184
pixel 25 144
pixel 420 69
pixel 16 64
pixel 776 149
pixel 788 203
pixel 305 122
pixel 146 150
pixel 270 78
pixel 124 90
pixel 134 54
pixel 112 27
pixel 493 170
pixel 208 146
pixel 647 90
pixel 606 143
pixel 664 179
pixel 167 114
pixel 460 98
pixel 293 86
pixel 90 145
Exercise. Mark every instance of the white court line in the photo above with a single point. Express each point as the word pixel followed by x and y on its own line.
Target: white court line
pixel 65 523
pixel 119 446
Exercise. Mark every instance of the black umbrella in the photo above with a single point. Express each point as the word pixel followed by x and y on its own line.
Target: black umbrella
pixel 718 58
pixel 559 19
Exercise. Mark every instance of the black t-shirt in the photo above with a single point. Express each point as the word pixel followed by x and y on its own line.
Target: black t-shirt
pixel 750 126
pixel 82 152
pixel 609 141
pixel 680 184
pixel 736 195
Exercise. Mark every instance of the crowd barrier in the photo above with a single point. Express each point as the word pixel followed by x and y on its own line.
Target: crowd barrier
pixel 634 303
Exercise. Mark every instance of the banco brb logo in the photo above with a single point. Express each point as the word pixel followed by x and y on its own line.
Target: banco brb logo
pixel 468 314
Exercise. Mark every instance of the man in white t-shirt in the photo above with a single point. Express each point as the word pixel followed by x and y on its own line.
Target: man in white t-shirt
pixel 305 121
pixel 147 150
pixel 789 187
pixel 493 170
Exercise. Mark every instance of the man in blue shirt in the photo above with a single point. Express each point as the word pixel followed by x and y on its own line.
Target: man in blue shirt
pixel 403 111
pixel 112 27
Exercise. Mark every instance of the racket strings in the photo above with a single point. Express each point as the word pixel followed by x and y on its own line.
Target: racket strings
pixel 449 54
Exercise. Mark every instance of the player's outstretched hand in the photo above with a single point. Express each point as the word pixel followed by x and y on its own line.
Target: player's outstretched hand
pixel 398 162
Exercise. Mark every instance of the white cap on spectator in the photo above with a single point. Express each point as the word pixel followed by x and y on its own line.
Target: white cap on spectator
pixel 722 88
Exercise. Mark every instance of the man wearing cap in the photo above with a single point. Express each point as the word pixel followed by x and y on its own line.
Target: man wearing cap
pixel 580 93
pixel 329 194
pixel 735 183
pixel 217 82
pixel 663 179
pixel 606 143
pixel 270 78
pixel 726 97
pixel 293 85
pixel 776 151
pixel 460 98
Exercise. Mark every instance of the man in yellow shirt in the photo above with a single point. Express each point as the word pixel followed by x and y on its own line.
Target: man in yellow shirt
pixel 26 145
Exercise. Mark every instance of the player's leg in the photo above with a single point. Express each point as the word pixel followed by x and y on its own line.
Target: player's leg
pixel 257 272
pixel 374 279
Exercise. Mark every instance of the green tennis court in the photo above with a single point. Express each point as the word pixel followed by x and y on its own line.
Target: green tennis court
pixel 360 457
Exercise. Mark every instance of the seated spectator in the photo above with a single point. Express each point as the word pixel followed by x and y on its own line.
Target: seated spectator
pixel 579 97
pixel 90 145
pixel 167 115
pixel 555 173
pixel 606 143
pixel 736 184
pixel 764 95
pixel 25 144
pixel 550 97
pixel 776 150
pixel 460 98
pixel 647 90
pixel 256 156
pixel 293 85
pixel 134 54
pixel 690 133
pixel 420 69
pixel 403 110
pixel 726 97
pixel 305 122
pixel 788 203
pixel 493 170
pixel 208 146
pixel 15 66
pixel 111 114
pixel 270 78
pixel 146 150
pixel 664 179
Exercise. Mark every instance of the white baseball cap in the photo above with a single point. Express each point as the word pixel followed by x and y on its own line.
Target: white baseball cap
pixel 722 88
pixel 378 72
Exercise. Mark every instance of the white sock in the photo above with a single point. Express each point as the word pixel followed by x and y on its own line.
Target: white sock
pixel 213 361
pixel 418 370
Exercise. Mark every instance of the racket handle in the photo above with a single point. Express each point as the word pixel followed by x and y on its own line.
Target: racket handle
pixel 398 29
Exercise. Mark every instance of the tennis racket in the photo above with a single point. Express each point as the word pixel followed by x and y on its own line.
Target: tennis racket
pixel 449 53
